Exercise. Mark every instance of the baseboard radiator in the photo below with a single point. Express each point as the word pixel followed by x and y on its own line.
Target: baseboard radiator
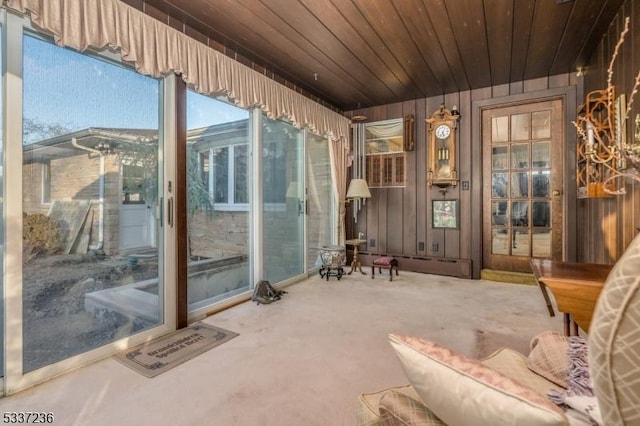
pixel 460 268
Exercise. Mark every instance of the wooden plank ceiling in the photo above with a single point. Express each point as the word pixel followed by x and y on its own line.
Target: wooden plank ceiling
pixel 360 53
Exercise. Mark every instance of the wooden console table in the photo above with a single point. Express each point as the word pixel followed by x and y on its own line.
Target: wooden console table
pixel 575 287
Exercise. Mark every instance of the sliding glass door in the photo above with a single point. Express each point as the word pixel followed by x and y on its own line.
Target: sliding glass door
pixel 90 203
pixel 82 145
pixel 319 200
pixel 283 200
pixel 218 191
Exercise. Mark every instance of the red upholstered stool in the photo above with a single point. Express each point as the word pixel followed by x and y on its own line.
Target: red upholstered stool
pixel 386 262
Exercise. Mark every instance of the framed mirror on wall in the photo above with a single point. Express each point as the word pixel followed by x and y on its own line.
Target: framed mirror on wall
pixel 385 145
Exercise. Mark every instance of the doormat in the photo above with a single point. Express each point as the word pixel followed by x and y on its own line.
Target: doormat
pixel 162 354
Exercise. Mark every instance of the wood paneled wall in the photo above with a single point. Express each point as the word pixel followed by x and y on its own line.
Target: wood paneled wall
pixel 399 219
pixel 607 226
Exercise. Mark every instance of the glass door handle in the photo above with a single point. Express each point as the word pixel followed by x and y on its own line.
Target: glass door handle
pixel 170 212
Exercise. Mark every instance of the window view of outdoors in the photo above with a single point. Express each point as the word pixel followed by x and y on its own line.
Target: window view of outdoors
pixel 91 235
pixel 218 188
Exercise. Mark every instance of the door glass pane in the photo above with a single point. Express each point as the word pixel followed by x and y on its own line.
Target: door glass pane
pixel 521 245
pixel 318 198
pixel 540 125
pixel 541 213
pixel 499 185
pixel 500 129
pixel 540 184
pixel 500 241
pixel 217 209
pixel 500 157
pixel 499 213
pixel 541 243
pixel 283 198
pixel 91 226
pixel 519 127
pixel 520 156
pixel 520 213
pixel 519 184
pixel 540 156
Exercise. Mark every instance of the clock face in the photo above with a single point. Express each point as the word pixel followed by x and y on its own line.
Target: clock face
pixel 443 131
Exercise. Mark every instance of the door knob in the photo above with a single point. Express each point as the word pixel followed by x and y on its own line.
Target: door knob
pixel 556 192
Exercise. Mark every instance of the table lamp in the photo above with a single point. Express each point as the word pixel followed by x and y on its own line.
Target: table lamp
pixel 358 188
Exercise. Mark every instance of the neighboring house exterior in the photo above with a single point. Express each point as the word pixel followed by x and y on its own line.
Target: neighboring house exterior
pixel 88 166
pixel 221 155
pixel 115 171
pixel 67 170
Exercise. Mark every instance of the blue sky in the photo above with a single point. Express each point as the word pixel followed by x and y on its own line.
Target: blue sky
pixel 67 88
pixel 205 111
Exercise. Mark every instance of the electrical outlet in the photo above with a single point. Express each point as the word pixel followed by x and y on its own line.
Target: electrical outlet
pixel 421 245
pixel 434 246
pixel 372 242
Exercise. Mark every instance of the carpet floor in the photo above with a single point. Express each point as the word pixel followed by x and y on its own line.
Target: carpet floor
pixel 304 359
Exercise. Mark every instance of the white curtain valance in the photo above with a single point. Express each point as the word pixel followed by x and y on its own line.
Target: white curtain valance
pixel 156 49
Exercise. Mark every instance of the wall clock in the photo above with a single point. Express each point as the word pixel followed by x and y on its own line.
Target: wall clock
pixel 443 131
pixel 441 152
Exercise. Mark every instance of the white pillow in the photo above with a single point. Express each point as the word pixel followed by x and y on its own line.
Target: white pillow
pixel 461 391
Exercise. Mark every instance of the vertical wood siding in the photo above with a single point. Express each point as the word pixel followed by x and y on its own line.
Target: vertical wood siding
pixel 398 220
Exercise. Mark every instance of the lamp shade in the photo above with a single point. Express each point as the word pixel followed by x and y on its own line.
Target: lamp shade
pixel 358 189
